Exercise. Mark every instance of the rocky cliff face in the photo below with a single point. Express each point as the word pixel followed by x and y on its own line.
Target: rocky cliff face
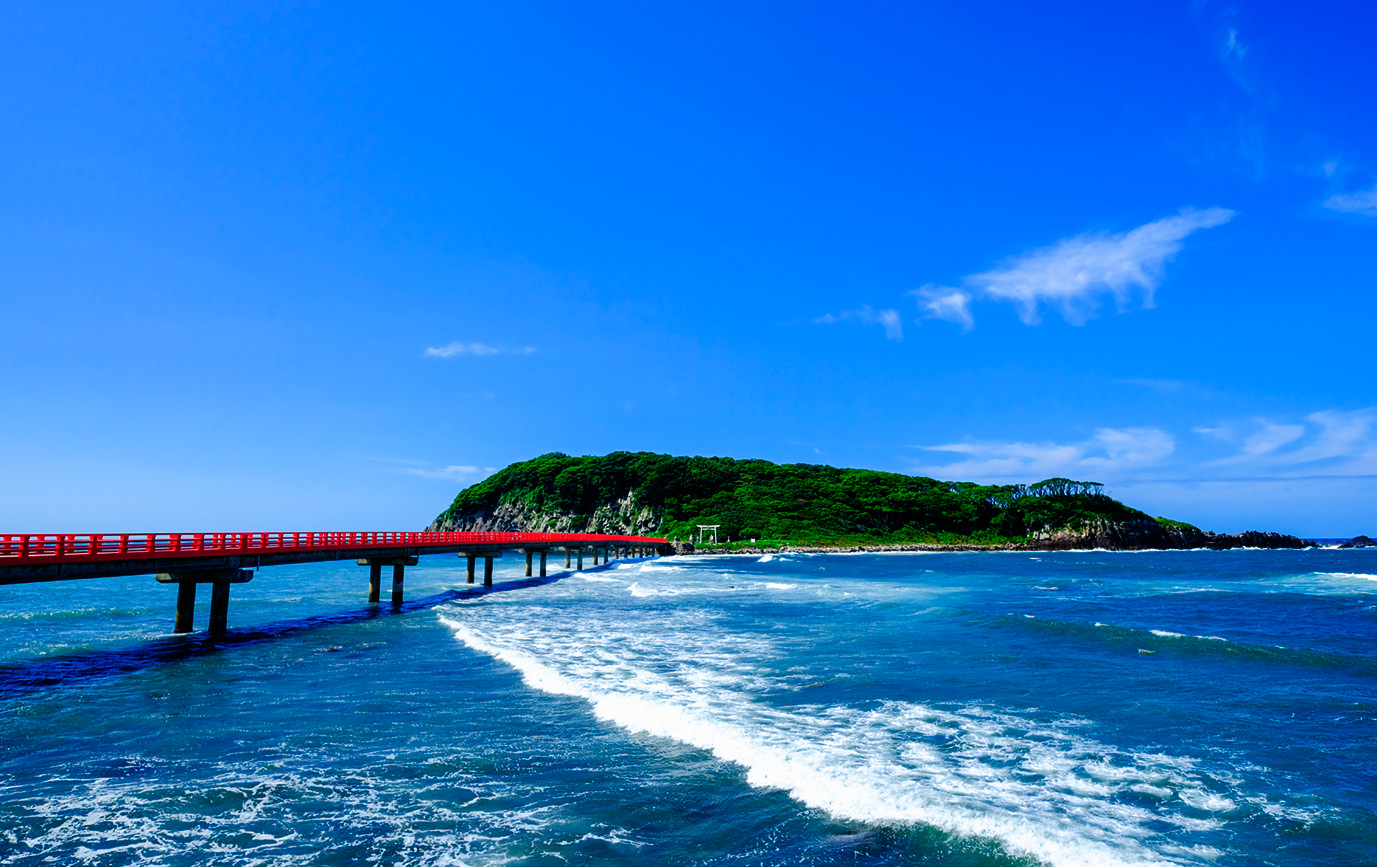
pixel 626 516
pixel 1143 534
pixel 621 517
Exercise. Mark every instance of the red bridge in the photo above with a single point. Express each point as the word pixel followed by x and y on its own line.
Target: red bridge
pixel 222 559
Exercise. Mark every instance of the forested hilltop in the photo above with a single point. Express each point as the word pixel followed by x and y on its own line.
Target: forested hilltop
pixel 809 505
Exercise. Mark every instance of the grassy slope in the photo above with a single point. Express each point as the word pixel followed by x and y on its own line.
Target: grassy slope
pixel 799 503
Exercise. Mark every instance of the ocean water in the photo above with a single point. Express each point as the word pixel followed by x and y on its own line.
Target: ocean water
pixel 1071 708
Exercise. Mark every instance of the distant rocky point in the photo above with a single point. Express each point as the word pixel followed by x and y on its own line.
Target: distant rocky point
pixel 812 507
pixel 1359 542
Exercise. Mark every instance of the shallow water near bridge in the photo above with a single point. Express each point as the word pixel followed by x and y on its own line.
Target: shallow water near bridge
pixel 1074 708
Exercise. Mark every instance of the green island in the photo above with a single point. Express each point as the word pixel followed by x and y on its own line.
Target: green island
pixel 757 505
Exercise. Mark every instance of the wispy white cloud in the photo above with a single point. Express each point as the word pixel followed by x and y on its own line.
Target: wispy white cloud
pixel 1074 274
pixel 462 473
pixel 1107 454
pixel 946 302
pixel 1262 440
pixel 888 319
pixel 456 473
pixel 1234 49
pixel 1362 202
pixel 1327 444
pixel 474 349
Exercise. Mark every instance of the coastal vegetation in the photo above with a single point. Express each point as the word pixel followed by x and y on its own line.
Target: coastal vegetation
pixel 798 504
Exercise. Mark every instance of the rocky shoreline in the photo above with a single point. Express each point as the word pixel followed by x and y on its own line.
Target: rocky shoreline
pixel 1103 535
pixel 627 516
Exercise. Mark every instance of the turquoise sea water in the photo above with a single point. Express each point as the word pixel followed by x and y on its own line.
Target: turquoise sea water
pixel 1077 708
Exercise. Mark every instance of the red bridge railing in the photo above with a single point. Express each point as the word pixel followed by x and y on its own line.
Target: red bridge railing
pixel 86 547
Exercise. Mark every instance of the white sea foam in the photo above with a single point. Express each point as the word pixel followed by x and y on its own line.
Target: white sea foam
pixel 774 585
pixel 641 591
pixel 240 813
pixel 1207 801
pixel 1362 576
pixel 1041 787
pixel 1162 633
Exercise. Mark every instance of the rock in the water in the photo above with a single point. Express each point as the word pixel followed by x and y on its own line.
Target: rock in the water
pixel 1359 542
pixel 1141 534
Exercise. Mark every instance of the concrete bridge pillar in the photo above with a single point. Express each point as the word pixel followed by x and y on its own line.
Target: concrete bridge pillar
pixel 219 608
pixel 374 582
pixel 488 556
pixel 581 560
pixel 398 565
pixel 220 581
pixel 186 606
pixel 543 552
pixel 566 557
pixel 529 552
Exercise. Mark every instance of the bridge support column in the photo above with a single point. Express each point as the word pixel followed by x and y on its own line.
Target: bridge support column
pixel 487 556
pixel 580 559
pixel 220 580
pixel 567 555
pixel 219 608
pixel 529 552
pixel 186 606
pixel 543 552
pixel 398 565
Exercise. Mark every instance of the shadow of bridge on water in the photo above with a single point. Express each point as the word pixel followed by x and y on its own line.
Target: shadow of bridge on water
pixel 19 678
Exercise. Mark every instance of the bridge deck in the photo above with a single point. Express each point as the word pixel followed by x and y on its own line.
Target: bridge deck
pixel 33 557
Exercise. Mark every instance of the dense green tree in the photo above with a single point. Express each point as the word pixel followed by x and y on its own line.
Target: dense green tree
pixel 796 502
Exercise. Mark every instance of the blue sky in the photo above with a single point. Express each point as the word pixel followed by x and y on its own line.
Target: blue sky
pixel 318 266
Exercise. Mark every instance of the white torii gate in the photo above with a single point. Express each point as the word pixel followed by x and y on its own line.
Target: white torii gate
pixel 712 527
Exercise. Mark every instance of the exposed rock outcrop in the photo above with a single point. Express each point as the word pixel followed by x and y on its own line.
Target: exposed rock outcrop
pixel 621 517
pixel 1359 542
pixel 1144 534
pixel 625 516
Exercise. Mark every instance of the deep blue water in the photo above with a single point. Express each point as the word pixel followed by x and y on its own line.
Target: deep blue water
pixel 1079 708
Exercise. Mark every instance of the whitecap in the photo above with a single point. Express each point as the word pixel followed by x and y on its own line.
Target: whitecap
pixel 1208 801
pixel 1040 787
